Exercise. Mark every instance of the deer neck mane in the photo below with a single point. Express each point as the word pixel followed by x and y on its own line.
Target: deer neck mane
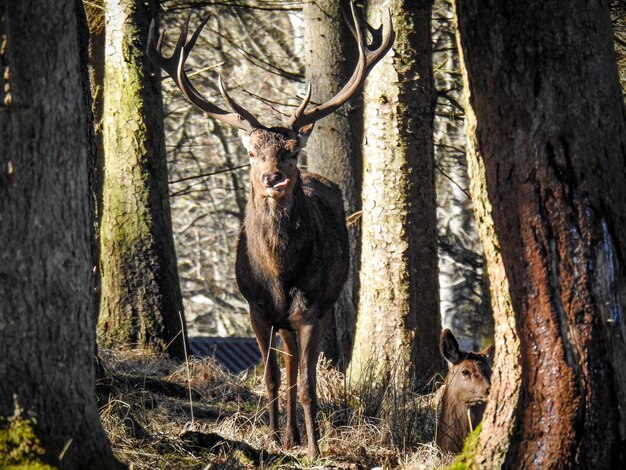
pixel 270 221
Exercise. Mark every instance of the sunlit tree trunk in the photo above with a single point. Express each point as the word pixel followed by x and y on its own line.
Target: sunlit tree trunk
pixel 47 323
pixel 141 303
pixel 333 150
pixel 499 418
pixel 551 133
pixel 398 322
pixel 618 16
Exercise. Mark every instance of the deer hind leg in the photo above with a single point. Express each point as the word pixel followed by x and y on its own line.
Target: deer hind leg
pixel 292 435
pixel 307 344
pixel 265 338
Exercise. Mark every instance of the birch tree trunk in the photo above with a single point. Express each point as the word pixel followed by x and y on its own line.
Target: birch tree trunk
pixel 398 322
pixel 47 323
pixel 141 303
pixel 550 128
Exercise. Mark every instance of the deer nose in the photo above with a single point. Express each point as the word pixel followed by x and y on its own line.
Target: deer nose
pixel 269 179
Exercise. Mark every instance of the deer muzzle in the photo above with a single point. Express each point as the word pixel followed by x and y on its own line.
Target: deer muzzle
pixel 276 182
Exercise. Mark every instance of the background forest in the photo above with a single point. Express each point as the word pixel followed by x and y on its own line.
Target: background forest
pixel 482 166
pixel 265 59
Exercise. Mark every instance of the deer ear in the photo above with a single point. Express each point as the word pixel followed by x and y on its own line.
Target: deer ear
pixel 304 133
pixel 489 352
pixel 245 139
pixel 449 347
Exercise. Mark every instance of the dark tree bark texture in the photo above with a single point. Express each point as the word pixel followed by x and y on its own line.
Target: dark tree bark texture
pixel 550 127
pixel 330 56
pixel 96 24
pixel 47 323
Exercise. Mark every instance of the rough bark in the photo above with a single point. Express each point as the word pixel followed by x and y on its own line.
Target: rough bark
pixel 618 16
pixel 551 131
pixel 47 323
pixel 95 19
pixel 398 322
pixel 141 302
pixel 332 150
pixel 499 419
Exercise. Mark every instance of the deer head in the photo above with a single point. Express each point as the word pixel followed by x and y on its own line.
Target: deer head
pixel 469 375
pixel 273 160
pixel 273 151
pixel 465 394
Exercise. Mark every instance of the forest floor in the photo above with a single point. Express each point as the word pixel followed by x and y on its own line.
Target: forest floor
pixel 160 414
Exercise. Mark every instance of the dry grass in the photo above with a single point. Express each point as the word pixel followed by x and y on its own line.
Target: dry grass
pixel 161 414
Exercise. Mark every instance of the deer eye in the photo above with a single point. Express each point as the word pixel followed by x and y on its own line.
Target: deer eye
pixel 466 373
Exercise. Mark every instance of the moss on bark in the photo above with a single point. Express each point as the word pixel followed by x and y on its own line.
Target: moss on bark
pixel 19 445
pixel 141 302
pixel 467 458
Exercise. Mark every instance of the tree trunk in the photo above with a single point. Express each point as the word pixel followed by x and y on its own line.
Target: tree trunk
pixel 96 22
pixel 551 132
pixel 332 149
pixel 618 17
pixel 47 324
pixel 141 303
pixel 398 322
pixel 499 417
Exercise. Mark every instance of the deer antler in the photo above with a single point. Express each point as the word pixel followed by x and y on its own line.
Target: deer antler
pixel 174 66
pixel 369 55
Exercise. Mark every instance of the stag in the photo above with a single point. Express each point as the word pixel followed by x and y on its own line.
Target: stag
pixel 465 392
pixel 293 249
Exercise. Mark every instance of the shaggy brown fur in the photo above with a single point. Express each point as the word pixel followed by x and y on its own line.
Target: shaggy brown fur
pixel 292 262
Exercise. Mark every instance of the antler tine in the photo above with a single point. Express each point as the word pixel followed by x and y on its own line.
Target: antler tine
pixel 245 114
pixel 194 37
pixel 303 105
pixel 303 118
pixel 369 55
pixel 174 66
pixel 159 44
pixel 379 45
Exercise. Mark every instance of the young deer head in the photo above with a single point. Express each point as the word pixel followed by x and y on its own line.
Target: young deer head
pixel 466 392
pixel 293 250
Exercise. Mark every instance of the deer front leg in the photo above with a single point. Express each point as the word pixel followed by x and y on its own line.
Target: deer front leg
pixel 292 435
pixel 266 340
pixel 307 343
